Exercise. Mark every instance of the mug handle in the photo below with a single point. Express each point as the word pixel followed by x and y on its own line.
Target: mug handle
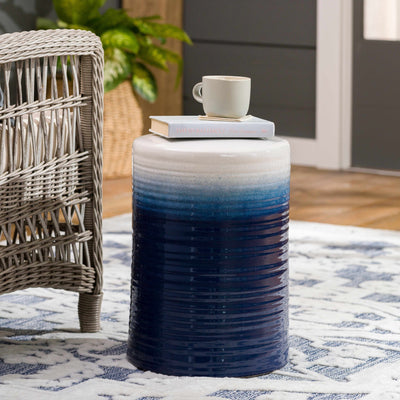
pixel 196 92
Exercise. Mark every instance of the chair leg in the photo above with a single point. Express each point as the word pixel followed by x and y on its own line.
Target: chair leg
pixel 89 307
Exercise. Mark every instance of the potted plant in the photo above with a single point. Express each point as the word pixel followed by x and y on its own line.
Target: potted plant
pixel 131 46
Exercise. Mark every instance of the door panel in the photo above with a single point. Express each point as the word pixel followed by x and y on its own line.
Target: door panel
pixel 272 41
pixel 279 22
pixel 283 81
pixel 376 99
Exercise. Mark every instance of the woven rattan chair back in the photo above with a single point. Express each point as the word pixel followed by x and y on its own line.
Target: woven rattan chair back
pixel 50 165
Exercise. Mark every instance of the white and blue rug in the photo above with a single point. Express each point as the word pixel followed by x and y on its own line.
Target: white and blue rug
pixel 344 329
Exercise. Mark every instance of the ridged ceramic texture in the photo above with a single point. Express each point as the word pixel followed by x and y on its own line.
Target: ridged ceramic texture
pixel 210 256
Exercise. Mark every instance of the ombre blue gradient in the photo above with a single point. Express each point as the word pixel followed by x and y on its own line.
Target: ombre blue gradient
pixel 209 278
pixel 211 202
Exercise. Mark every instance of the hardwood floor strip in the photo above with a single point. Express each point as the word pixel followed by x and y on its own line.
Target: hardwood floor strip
pixel 334 197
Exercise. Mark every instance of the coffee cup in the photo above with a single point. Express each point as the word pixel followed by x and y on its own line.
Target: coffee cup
pixel 223 96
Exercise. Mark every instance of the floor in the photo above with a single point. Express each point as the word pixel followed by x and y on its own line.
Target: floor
pixel 334 197
pixel 345 198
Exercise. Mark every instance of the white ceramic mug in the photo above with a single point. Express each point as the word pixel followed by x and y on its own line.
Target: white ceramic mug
pixel 223 96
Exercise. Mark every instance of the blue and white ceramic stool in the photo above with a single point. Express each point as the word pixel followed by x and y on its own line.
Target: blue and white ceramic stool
pixel 210 256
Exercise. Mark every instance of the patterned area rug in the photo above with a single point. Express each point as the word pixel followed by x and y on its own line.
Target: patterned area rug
pixel 344 329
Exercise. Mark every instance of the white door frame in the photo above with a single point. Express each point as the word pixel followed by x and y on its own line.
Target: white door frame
pixel 331 148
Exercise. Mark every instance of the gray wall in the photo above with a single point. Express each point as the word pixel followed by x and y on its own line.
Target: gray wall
pixel 20 15
pixel 272 41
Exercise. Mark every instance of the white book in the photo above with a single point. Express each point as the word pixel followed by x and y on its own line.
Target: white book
pixel 191 126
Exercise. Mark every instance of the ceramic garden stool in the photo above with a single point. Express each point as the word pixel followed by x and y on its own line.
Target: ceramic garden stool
pixel 210 256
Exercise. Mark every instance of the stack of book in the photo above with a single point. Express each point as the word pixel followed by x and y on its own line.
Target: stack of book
pixel 193 126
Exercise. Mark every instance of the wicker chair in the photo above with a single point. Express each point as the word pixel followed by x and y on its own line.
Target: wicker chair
pixel 51 165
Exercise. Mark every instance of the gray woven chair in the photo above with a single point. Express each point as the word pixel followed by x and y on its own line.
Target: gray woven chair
pixel 51 165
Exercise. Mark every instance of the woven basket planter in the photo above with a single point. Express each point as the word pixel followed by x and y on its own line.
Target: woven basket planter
pixel 123 123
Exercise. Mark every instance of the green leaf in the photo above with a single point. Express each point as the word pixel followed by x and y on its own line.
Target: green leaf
pixel 171 31
pixel 64 25
pixel 143 82
pixel 122 39
pixel 111 19
pixel 117 68
pixel 159 56
pixel 150 17
pixel 45 23
pixel 142 26
pixel 179 73
pixel 77 11
pixel 145 40
pixel 171 55
pixel 154 55
pixel 161 30
pixel 177 59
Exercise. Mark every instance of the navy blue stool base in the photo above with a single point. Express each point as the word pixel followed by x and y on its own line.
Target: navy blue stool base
pixel 210 256
pixel 197 370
